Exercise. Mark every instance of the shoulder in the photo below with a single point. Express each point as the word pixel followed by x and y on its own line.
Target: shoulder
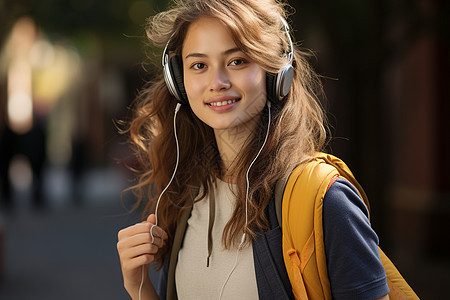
pixel 345 216
pixel 343 198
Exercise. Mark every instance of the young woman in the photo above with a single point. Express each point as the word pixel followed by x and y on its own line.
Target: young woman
pixel 249 114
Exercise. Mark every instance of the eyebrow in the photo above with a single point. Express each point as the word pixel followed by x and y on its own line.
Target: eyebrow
pixel 227 52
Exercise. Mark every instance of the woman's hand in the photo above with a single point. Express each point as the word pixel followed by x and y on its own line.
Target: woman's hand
pixel 136 250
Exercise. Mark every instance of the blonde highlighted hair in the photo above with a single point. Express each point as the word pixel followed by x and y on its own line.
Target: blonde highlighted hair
pixel 297 129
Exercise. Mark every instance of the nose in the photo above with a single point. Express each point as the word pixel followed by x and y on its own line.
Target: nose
pixel 219 80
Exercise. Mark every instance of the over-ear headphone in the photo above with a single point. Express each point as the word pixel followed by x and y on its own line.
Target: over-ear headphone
pixel 173 75
pixel 277 84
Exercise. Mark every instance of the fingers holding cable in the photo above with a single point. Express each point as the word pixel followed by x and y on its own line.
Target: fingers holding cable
pixel 145 239
pixel 142 233
pixel 155 231
pixel 136 249
pixel 142 254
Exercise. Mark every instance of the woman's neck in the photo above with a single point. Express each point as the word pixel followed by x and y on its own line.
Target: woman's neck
pixel 230 143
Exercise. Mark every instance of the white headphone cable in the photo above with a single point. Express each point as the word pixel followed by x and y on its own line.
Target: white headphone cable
pixel 246 204
pixel 177 108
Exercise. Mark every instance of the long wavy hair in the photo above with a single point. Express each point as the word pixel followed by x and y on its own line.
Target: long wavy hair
pixel 297 128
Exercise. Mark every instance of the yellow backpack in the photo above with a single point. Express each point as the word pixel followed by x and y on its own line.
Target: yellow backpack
pixel 303 243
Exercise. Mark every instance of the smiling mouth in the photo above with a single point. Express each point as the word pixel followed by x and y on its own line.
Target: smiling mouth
pixel 223 103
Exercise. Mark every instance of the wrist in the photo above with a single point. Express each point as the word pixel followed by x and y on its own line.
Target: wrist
pixel 147 291
pixel 132 287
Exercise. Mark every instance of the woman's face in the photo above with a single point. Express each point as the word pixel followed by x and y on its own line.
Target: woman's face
pixel 225 88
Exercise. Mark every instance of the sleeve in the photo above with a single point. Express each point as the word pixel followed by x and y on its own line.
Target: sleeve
pixel 351 246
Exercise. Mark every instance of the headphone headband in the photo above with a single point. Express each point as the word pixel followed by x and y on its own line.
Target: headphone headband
pixel 278 85
pixel 291 45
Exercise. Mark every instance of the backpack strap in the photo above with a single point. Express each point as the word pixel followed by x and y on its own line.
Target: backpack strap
pixel 279 191
pixel 303 244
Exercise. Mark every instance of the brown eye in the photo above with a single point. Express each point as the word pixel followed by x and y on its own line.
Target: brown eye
pixel 237 62
pixel 198 66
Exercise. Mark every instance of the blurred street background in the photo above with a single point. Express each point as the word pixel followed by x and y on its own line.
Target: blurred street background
pixel 69 70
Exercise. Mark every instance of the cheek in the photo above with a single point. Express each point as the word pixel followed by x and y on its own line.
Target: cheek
pixel 254 83
pixel 194 93
pixel 193 87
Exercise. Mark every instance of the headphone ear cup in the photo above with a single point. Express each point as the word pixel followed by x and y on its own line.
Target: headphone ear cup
pixel 284 81
pixel 278 85
pixel 170 83
pixel 271 79
pixel 176 73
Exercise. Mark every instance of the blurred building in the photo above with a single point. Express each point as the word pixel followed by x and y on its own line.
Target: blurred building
pixel 387 67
